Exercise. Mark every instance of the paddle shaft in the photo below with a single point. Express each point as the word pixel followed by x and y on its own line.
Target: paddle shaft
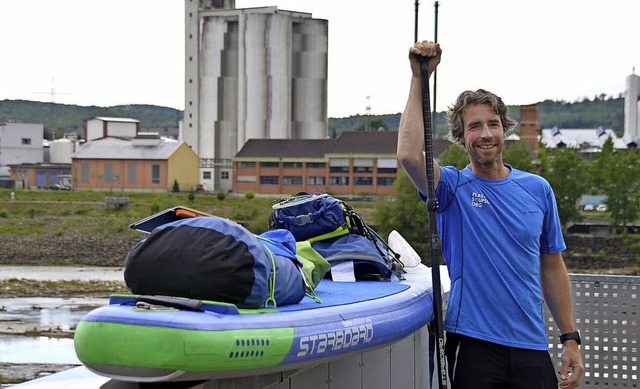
pixel 434 239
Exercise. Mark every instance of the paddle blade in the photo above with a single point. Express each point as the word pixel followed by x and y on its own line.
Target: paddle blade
pixel 408 255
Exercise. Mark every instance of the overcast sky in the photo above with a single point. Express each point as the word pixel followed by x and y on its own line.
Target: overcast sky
pixel 110 52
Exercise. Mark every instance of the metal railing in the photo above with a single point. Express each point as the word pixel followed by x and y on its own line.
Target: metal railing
pixel 607 315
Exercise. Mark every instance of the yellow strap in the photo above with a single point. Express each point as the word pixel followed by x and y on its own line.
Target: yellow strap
pixel 337 232
pixel 272 281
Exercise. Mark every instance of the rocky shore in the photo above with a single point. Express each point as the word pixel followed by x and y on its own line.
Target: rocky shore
pixel 53 249
pixel 15 373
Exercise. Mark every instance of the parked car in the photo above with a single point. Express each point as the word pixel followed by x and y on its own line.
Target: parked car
pixel 589 207
pixel 602 208
pixel 58 187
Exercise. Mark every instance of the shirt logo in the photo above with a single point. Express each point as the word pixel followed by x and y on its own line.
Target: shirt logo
pixel 478 200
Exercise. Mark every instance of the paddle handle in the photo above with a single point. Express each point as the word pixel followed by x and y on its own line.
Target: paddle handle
pixel 434 239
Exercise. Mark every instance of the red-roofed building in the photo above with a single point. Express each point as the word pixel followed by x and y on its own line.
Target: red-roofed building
pixel 356 164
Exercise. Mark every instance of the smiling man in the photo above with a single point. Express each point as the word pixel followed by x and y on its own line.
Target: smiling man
pixel 502 242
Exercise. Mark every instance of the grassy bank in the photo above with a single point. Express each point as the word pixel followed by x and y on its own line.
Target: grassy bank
pixel 37 209
pixel 76 227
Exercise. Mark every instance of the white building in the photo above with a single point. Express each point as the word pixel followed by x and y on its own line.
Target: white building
pixel 257 73
pixel 586 139
pixel 21 143
pixel 631 110
pixel 101 127
pixel 61 150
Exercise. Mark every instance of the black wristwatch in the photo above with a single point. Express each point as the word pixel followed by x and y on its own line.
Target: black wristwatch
pixel 575 335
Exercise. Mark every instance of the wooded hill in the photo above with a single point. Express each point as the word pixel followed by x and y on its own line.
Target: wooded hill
pixel 607 112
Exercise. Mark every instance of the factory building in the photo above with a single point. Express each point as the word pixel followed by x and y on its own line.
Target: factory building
pixel 256 73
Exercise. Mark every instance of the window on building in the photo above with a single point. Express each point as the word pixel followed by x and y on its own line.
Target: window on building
pixel 339 165
pixel 385 181
pixel 316 165
pixel 339 181
pixel 26 141
pixel 108 173
pixel 275 164
pixel 84 173
pixel 155 174
pixel 245 178
pixel 292 165
pixel 269 180
pixel 363 169
pixel 363 165
pixel 292 180
pixel 224 175
pixel 363 181
pixel 316 180
pixel 387 166
pixel 245 165
pixel 132 173
pixel 206 175
pixel 339 169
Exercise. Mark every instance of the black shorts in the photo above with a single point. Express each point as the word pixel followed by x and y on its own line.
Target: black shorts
pixel 477 364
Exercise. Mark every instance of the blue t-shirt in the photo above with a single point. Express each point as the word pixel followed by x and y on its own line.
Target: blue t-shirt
pixel 493 233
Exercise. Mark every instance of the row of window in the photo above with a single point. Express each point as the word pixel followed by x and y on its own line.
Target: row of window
pixel 108 176
pixel 285 165
pixel 206 175
pixel 321 180
pixel 317 165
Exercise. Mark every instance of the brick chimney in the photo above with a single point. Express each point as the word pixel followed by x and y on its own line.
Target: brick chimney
pixel 529 125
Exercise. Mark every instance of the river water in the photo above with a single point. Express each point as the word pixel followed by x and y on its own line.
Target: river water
pixel 48 312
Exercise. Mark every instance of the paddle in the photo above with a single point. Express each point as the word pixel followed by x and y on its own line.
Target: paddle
pixel 434 239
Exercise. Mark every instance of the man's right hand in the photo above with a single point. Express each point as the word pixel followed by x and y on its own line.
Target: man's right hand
pixel 426 49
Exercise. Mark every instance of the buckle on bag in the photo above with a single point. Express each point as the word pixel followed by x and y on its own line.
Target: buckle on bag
pixel 301 220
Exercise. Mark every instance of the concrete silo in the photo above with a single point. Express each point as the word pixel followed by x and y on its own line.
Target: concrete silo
pixel 631 110
pixel 256 73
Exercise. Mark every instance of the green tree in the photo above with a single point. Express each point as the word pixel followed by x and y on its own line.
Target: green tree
pixel 407 214
pixel 569 179
pixel 454 155
pixel 622 187
pixel 600 168
pixel 543 160
pixel 519 156
pixel 374 125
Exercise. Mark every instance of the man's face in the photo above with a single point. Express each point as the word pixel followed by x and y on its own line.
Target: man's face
pixel 483 134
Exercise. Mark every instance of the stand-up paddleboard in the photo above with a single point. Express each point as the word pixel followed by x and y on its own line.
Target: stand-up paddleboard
pixel 155 338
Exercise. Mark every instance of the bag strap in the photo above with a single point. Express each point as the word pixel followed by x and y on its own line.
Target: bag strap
pixel 359 227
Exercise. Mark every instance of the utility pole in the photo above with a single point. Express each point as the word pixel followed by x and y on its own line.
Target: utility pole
pixel 52 92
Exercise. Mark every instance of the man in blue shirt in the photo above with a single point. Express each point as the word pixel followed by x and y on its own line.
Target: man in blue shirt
pixel 502 241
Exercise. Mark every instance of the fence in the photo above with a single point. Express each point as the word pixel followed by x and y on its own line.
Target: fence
pixel 606 313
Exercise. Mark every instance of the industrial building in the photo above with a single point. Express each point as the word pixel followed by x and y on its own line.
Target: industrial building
pixel 355 164
pixel 146 163
pixel 21 143
pixel 632 111
pixel 256 73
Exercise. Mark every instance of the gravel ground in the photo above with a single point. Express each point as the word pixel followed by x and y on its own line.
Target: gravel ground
pixel 11 373
pixel 15 373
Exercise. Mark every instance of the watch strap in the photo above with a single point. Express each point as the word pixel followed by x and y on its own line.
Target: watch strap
pixel 575 335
